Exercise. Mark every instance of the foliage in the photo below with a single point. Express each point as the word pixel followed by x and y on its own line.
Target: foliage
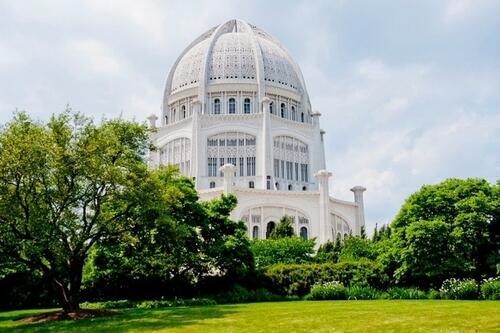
pixel 490 288
pixel 64 186
pixel 459 289
pixel 239 294
pixel 327 291
pixel 329 251
pixel 283 229
pixel 406 293
pixel 451 229
pixel 157 304
pixel 297 279
pixel 362 292
pixel 289 250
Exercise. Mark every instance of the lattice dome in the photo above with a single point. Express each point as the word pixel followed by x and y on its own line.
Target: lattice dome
pixel 235 52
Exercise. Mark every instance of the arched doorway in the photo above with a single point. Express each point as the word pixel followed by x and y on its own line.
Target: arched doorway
pixel 270 227
pixel 303 233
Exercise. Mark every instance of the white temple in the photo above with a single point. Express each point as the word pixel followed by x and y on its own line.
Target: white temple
pixel 237 118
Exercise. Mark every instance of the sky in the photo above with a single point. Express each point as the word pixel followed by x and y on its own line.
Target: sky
pixel 409 91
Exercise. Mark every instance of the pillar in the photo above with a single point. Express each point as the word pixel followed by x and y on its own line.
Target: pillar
pixel 266 157
pixel 324 204
pixel 152 120
pixel 228 171
pixel 195 130
pixel 360 209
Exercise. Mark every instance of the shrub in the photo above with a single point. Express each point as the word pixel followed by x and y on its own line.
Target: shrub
pixel 405 293
pixel 298 279
pixel 327 291
pixel 289 250
pixel 125 304
pixel 361 292
pixel 242 295
pixel 490 289
pixel 459 289
pixel 434 294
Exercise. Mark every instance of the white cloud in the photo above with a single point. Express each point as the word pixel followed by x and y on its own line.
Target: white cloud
pixel 94 56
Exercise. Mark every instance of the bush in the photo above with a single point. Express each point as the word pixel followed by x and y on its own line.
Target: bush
pixel 490 289
pixel 298 279
pixel 406 293
pixel 434 294
pixel 242 295
pixel 360 292
pixel 459 289
pixel 327 291
pixel 126 304
pixel 290 250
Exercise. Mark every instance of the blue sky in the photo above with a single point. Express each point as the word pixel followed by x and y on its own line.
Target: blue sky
pixel 409 90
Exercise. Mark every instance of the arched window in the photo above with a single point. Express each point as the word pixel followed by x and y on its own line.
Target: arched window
pixel 183 112
pixel 302 117
pixel 277 185
pixel 271 108
pixel 290 187
pixel 304 188
pixel 166 120
pixel 303 233
pixel 216 106
pixel 212 184
pixel 173 115
pixel 255 232
pixel 283 110
pixel 251 184
pixel 294 113
pixel 270 227
pixel 232 105
pixel 246 105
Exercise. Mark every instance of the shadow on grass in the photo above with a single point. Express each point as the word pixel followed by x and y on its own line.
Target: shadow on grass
pixel 140 320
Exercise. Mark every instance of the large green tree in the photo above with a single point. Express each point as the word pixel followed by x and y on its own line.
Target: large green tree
pixel 447 230
pixel 177 241
pixel 64 185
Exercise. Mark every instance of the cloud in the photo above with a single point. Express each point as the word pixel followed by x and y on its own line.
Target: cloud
pixel 94 57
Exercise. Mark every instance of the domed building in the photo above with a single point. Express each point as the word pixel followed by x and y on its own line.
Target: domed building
pixel 237 118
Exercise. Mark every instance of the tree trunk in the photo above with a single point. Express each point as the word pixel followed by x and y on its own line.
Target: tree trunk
pixel 69 292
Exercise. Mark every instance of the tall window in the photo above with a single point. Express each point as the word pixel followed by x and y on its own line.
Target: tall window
pixel 303 233
pixel 271 108
pixel 246 105
pixel 283 110
pixel 250 166
pixel 270 227
pixel 232 105
pixel 177 152
pixel 212 184
pixel 166 120
pixel 216 106
pixel 236 148
pixel 251 184
pixel 174 118
pixel 294 113
pixel 183 108
pixel 255 232
pixel 302 116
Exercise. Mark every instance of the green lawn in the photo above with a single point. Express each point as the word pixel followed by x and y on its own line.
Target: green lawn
pixel 300 316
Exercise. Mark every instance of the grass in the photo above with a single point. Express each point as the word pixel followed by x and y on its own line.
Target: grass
pixel 306 316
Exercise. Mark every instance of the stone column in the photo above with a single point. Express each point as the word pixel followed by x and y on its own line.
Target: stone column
pixel 228 172
pixel 324 204
pixel 360 210
pixel 265 158
pixel 152 120
pixel 195 145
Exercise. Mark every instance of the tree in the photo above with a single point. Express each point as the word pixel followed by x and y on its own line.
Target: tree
pixel 283 229
pixel 288 250
pixel 448 230
pixel 65 185
pixel 177 241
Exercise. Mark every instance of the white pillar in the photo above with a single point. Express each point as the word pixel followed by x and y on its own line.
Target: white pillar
pixel 152 120
pixel 195 145
pixel 360 211
pixel 228 172
pixel 266 157
pixel 324 202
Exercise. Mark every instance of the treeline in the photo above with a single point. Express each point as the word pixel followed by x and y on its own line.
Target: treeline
pixel 82 218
